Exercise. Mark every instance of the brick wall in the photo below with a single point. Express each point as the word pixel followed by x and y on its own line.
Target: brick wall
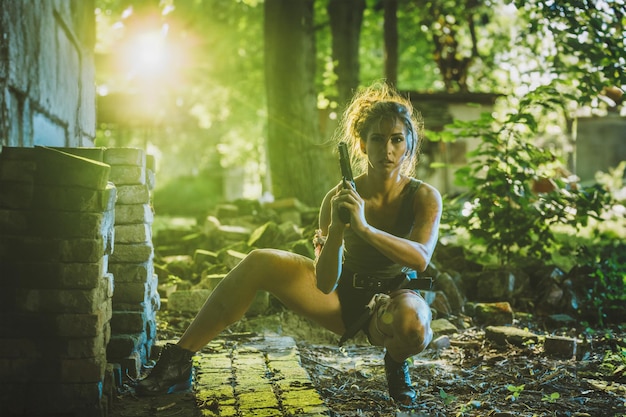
pixel 56 234
pixel 78 293
pixel 136 300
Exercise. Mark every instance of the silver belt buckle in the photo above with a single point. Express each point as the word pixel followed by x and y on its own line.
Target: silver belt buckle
pixel 354 282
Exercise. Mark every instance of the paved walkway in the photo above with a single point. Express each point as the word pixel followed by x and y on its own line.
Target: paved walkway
pixel 257 376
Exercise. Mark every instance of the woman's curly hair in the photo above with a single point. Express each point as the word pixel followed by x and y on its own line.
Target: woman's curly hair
pixel 369 106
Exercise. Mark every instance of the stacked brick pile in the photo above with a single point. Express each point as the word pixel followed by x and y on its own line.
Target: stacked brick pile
pixel 136 299
pixel 56 234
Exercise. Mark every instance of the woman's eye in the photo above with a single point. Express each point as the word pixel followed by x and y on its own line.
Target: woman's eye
pixel 398 139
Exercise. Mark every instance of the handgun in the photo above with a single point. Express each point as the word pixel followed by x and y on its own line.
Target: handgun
pixel 348 180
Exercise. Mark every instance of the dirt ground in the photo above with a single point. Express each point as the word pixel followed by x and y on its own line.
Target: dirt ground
pixel 471 377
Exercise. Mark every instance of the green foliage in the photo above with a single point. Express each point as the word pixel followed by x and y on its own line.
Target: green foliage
pixel 515 390
pixel 464 40
pixel 500 209
pixel 511 223
pixel 552 398
pixel 578 44
pixel 447 398
pixel 604 264
pixel 582 41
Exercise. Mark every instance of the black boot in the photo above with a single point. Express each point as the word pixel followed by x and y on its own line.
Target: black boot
pixel 399 381
pixel 172 373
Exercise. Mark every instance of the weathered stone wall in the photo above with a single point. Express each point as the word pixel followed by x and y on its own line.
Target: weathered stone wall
pixel 78 292
pixel 136 298
pixel 47 88
pixel 57 214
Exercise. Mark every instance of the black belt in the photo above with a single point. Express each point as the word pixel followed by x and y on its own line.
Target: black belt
pixel 368 282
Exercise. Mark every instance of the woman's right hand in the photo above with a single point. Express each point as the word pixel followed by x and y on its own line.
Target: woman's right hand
pixel 349 199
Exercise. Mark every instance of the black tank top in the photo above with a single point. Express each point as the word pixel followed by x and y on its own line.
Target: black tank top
pixel 361 257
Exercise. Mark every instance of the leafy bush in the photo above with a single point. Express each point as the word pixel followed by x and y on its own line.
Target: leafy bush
pixel 504 215
pixel 508 223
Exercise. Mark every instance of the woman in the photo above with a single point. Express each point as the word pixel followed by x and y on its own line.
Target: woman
pixel 393 230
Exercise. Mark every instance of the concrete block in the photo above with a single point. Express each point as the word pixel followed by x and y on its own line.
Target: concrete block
pixel 132 272
pixel 130 292
pixel 125 156
pixel 132 194
pixel 17 170
pixel 128 322
pixel 232 233
pixel 265 236
pixel 60 168
pixel 85 250
pixel 201 256
pixel 560 347
pixel 495 314
pixel 12 347
pixel 187 300
pixel 132 253
pixel 122 345
pixel 82 370
pixel 14 222
pixel 61 301
pixel 68 224
pixel 231 258
pixel 209 282
pixel 133 214
pixel 82 325
pixel 57 275
pixel 16 195
pixel 95 153
pixel 443 326
pixel 75 199
pixel 133 233
pixel 504 334
pixel 127 174
pixel 85 347
pixel 133 363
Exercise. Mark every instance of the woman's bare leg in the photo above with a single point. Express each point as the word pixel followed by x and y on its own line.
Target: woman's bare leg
pixel 405 328
pixel 287 276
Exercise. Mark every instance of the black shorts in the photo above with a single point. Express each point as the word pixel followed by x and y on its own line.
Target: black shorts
pixel 353 300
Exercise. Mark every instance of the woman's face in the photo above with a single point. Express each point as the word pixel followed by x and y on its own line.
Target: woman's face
pixel 386 144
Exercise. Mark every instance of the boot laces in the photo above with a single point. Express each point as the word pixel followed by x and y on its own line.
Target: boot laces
pixel 166 360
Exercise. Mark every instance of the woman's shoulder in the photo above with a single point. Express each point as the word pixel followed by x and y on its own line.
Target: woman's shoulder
pixel 426 193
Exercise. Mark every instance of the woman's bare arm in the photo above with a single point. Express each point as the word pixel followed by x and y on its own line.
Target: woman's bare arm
pixel 416 251
pixel 328 262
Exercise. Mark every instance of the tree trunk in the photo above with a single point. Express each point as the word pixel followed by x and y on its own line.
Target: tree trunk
pixel 390 29
pixel 301 164
pixel 346 17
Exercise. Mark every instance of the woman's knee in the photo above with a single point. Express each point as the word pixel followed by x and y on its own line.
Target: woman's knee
pixel 412 321
pixel 272 258
pixel 259 257
pixel 274 264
